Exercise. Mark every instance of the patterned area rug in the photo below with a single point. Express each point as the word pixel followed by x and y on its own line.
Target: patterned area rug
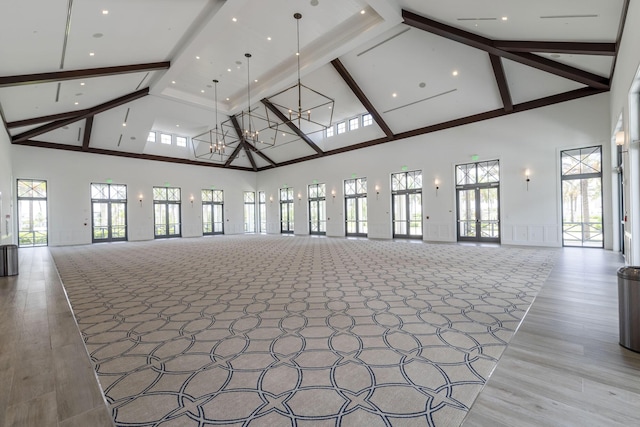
pixel 296 331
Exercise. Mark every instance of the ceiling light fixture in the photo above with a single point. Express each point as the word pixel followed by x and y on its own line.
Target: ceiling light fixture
pixel 213 141
pixel 308 101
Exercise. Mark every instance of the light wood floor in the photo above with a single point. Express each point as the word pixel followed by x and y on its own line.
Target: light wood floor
pixel 563 367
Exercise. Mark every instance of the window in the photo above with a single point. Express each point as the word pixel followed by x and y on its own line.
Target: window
pixel 262 211
pixel 165 138
pixel 151 137
pixel 342 127
pixel 286 210
pixel 355 194
pixel 108 212
pixel 367 120
pixel 317 209
pixel 212 212
pixel 166 209
pixel 406 200
pixel 249 212
pixel 478 201
pixel 32 213
pixel 354 123
pixel 330 131
pixel 181 141
pixel 582 197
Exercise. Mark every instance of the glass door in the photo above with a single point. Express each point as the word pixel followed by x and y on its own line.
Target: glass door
pixel 478 201
pixel 166 208
pixel 406 198
pixel 108 212
pixel 317 209
pixel 286 211
pixel 32 213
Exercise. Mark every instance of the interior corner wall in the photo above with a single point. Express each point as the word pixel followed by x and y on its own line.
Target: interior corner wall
pixel 625 93
pixel 529 140
pixel 6 190
pixel 69 176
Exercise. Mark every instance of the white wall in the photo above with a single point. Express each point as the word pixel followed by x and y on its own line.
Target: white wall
pixel 69 175
pixel 529 140
pixel 625 89
pixel 6 190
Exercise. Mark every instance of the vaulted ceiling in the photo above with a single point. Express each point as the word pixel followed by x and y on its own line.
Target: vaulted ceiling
pixel 97 76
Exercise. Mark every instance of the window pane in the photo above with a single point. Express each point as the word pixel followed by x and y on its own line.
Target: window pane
pixel 398 181
pixel 217 196
pixel 99 191
pixel 330 131
pixel 350 187
pixel 354 123
pixel 361 185
pixel 181 141
pixel 206 195
pixel 159 193
pixel 118 192
pixel 342 127
pixel 582 161
pixel 488 172
pixel 173 194
pixel 165 139
pixel 466 174
pixel 367 120
pixel 249 197
pixel 151 137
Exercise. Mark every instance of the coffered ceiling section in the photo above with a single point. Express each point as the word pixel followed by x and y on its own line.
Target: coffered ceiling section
pixel 251 87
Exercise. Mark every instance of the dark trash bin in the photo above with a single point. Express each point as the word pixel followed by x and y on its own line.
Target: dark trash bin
pixel 629 307
pixel 8 260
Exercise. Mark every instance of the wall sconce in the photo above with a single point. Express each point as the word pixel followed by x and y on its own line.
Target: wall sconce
pixel 140 199
pixel 620 138
pixel 526 174
pixel 437 183
pixel 191 200
pixel 333 194
pixel 377 191
pixel 270 199
pixel 299 198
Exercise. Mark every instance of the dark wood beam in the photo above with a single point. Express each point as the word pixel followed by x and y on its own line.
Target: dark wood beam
pixel 83 115
pixel 291 126
pixel 4 119
pixel 501 80
pixel 249 155
pixel 573 48
pixel 140 156
pixel 542 102
pixel 233 155
pixel 58 76
pixel 45 119
pixel 621 25
pixel 357 91
pixel 487 45
pixel 88 125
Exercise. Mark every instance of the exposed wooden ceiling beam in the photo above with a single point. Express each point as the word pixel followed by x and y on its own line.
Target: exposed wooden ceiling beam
pixel 501 80
pixel 542 102
pixel 88 125
pixel 574 48
pixel 358 92
pixel 58 76
pixel 233 155
pixel 249 155
pixel 45 119
pixel 141 156
pixel 488 45
pixel 83 115
pixel 621 25
pixel 291 126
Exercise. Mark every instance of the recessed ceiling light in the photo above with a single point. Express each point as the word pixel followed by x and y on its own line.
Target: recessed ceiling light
pixel 91 54
pixel 229 69
pixel 504 18
pixel 82 84
pixel 76 103
pixel 234 19
pixel 454 73
pixel 177 126
pixel 422 84
pixel 394 94
pixel 105 12
pixel 124 125
pixel 173 82
pixel 202 91
pixel 362 12
pixel 197 57
pixel 269 38
pixel 256 80
pixel 227 99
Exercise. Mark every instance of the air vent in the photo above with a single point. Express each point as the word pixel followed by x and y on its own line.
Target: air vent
pixel 383 41
pixel 477 19
pixel 568 16
pixel 421 100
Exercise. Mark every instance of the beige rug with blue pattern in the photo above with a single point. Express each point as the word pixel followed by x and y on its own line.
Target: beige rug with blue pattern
pixel 296 331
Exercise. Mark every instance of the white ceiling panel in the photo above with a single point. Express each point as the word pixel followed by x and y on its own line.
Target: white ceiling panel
pixel 527 84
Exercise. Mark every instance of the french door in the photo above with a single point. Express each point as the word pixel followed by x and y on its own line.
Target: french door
pixel 166 208
pixel 32 213
pixel 108 212
pixel 317 209
pixel 407 204
pixel 286 211
pixel 478 202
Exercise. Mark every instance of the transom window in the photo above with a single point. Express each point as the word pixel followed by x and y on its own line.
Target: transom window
pixel 330 131
pixel 478 173
pixel 165 138
pixel 354 123
pixel 367 120
pixel 342 127
pixel 181 141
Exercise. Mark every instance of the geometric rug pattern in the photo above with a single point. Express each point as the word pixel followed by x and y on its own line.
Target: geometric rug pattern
pixel 257 330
